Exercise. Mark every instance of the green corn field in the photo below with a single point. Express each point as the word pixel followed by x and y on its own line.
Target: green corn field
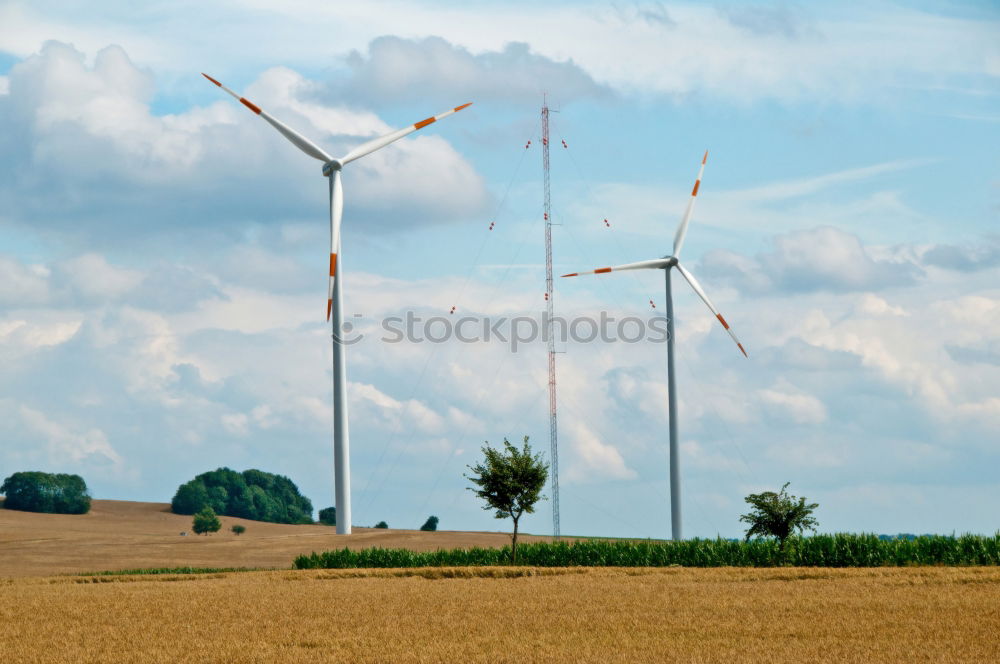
pixel 839 550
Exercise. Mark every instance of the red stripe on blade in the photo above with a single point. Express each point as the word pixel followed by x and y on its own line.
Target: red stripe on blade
pixel 329 308
pixel 424 123
pixel 705 158
pixel 249 104
pixel 459 108
pixel 697 183
pixel 333 265
pixel 602 270
pixel 722 320
pixel 744 352
pixel 212 79
pixel 572 274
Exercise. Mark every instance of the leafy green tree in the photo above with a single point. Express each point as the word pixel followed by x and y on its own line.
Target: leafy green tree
pixel 241 503
pixel 328 516
pixel 778 515
pixel 263 506
pixel 510 481
pixel 430 524
pixel 190 498
pixel 252 494
pixel 238 529
pixel 381 524
pixel 205 521
pixel 218 499
pixel 54 493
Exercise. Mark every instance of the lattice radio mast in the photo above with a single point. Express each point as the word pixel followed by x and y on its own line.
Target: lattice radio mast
pixel 553 430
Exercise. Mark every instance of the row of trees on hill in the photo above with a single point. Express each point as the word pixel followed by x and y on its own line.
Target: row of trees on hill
pixel 252 494
pixel 53 493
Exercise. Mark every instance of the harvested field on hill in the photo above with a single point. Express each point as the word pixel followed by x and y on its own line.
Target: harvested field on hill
pixel 509 614
pixel 123 535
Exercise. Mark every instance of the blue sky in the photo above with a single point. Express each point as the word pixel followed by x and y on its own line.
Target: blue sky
pixel 163 251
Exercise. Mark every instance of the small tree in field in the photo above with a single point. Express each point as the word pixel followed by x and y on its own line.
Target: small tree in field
pixel 381 524
pixel 238 529
pixel 778 515
pixel 328 516
pixel 430 524
pixel 205 521
pixel 510 481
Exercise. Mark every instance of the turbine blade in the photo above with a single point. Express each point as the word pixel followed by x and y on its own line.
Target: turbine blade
pixel 297 139
pixel 336 214
pixel 382 141
pixel 704 298
pixel 641 265
pixel 683 228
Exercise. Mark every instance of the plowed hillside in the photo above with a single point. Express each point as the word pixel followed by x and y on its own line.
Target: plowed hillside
pixel 124 535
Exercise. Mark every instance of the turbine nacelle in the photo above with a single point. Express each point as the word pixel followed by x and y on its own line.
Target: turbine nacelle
pixel 331 166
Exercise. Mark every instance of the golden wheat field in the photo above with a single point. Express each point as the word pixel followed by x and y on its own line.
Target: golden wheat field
pixel 454 614
pixel 508 615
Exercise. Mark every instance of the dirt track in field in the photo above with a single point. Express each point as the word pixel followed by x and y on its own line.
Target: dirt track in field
pixel 125 535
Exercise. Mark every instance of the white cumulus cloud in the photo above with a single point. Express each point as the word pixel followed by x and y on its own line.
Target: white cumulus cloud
pixel 84 144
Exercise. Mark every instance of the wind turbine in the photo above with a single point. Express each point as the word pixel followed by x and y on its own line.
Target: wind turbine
pixel 331 170
pixel 666 264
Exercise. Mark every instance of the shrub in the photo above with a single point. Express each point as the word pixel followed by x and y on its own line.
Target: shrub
pixel 238 529
pixel 252 494
pixel 430 524
pixel 328 516
pixel 205 521
pixel 34 491
pixel 381 524
pixel 778 515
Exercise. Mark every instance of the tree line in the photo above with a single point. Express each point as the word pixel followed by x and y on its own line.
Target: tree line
pixel 252 494
pixel 52 493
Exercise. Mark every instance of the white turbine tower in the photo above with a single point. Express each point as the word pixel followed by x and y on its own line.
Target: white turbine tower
pixel 331 170
pixel 665 264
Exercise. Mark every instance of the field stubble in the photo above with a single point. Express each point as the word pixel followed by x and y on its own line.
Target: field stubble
pixel 937 614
